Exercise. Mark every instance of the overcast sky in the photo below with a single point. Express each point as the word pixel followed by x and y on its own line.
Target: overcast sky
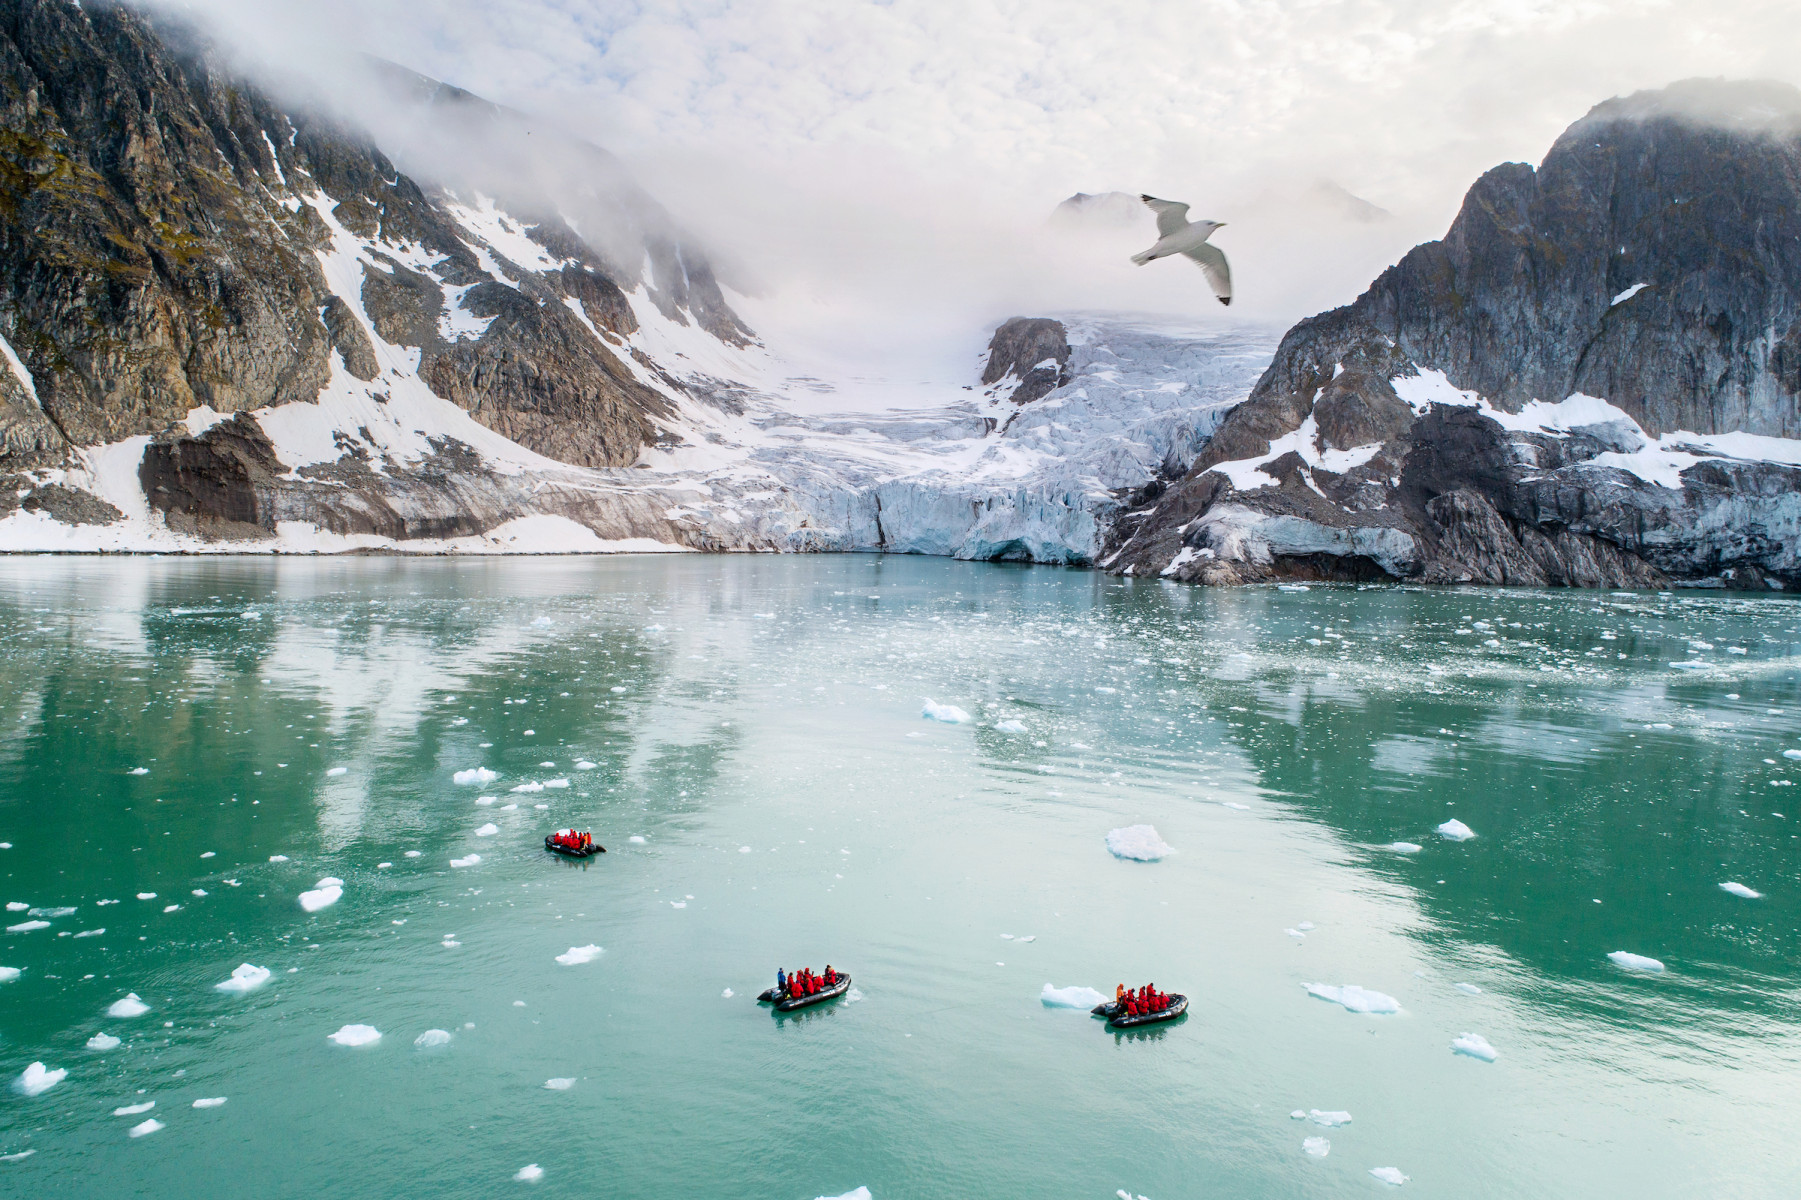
pixel 821 145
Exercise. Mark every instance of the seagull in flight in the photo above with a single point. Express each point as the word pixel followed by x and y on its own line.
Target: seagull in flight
pixel 1176 234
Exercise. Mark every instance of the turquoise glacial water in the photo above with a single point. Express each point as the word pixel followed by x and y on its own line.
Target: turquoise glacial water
pixel 224 734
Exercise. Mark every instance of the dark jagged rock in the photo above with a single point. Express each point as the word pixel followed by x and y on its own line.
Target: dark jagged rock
pixel 1693 192
pixel 1033 350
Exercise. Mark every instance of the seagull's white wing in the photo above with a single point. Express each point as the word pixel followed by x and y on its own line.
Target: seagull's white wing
pixel 1213 264
pixel 1170 215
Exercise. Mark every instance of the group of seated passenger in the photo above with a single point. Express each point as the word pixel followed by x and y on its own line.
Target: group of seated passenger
pixel 1144 1001
pixel 805 982
pixel 569 839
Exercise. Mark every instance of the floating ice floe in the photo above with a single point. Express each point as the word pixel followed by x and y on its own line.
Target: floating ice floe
pixel 635 840
pixel 433 1037
pixel 861 1193
pixel 272 858
pixel 529 1173
pixel 1010 726
pixel 533 786
pixel 8 974
pixel 16 906
pixel 744 850
pixel 132 1110
pixel 1235 806
pixel 339 771
pixel 209 1102
pixel 466 861
pixel 1405 847
pixel 474 775
pixel 36 1079
pixel 1389 1175
pixel 577 955
pixel 950 714
pixel 129 1006
pixel 484 801
pixel 1070 997
pixel 1468 989
pixel 1318 1147
pixel 21 1156
pixel 140 770
pixel 1294 933
pixel 559 1085
pixel 556 783
pixel 584 765
pixel 244 978
pixel 53 913
pixel 146 1127
pixel 1328 1118
pixel 27 926
pixel 1473 1045
pixel 726 995
pixel 488 830
pixel 1139 842
pixel 356 1035
pixel 1353 998
pixel 1455 831
pixel 103 1041
pixel 324 894
pixel 1634 962
pixel 1739 889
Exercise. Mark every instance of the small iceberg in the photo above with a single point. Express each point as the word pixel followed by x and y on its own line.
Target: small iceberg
pixel 132 1110
pixel 1468 989
pixel 8 974
pixel 559 1085
pixel 529 1173
pixel 1070 997
pixel 1389 1175
pixel 1455 831
pixel 1009 727
pixel 146 1127
pixel 129 1006
pixel 1318 1147
pixel 433 1037
pixel 861 1193
pixel 36 1079
pixel 488 830
pixel 1138 842
pixel 1405 847
pixel 338 771
pixel 577 955
pixel 324 894
pixel 27 926
pixel 1353 998
pixel 1328 1118
pixel 103 1041
pixel 209 1102
pixel 1634 962
pixel 356 1035
pixel 244 978
pixel 950 714
pixel 474 775
pixel 466 861
pixel 1473 1045
pixel 1739 889
pixel 140 771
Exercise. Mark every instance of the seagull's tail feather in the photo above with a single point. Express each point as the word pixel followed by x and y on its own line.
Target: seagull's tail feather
pixel 1141 259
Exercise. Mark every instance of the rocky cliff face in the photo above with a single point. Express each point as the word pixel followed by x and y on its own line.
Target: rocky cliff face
pixel 1594 380
pixel 173 239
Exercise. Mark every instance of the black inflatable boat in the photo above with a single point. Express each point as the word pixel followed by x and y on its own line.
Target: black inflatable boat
pixel 556 847
pixel 786 1003
pixel 1117 1018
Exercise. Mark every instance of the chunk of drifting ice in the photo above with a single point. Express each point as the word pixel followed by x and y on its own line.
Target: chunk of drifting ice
pixel 467 861
pixel 577 955
pixel 1233 804
pixel 1070 997
pixel 474 775
pixel 635 840
pixel 209 1102
pixel 529 1173
pixel 1739 889
pixel 1791 754
pixel 1318 1147
pixel 356 1035
pixel 413 853
pixel 1353 998
pixel 950 714
pixel 16 906
pixel 152 895
pixel 584 765
pixel 103 1041
pixel 726 995
pixel 1329 1118
pixel 146 1127
pixel 433 1037
pixel 1455 831
pixel 861 1193
pixel 321 897
pixel 339 771
pixel 559 1085
pixel 1474 1045
pixel 8 974
pixel 534 786
pixel 27 926
pixel 132 1110
pixel 21 1156
pixel 488 830
pixel 1389 1175
pixel 1468 989
pixel 556 783
pixel 484 801
pixel 1634 962
pixel 140 770
pixel 1405 847
pixel 272 858
pixel 1294 933
pixel 1009 727
pixel 129 1006
pixel 35 1079
pixel 1139 842
pixel 244 978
